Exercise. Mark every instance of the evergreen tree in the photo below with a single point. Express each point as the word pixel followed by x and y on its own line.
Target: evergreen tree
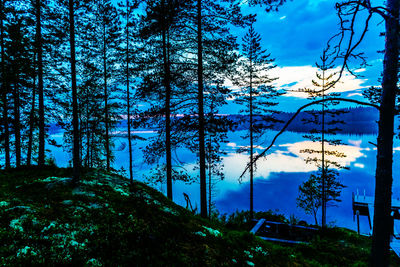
pixel 19 52
pixel 39 51
pixel 75 116
pixel 216 130
pixel 161 34
pixel 210 47
pixel 109 32
pixel 4 86
pixel 256 94
pixel 127 56
pixel 325 81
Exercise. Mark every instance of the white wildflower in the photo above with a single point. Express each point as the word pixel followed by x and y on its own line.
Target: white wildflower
pixel 51 225
pixel 16 224
pixel 93 262
pixel 212 231
pixel 200 234
pixel 250 263
pixel 26 251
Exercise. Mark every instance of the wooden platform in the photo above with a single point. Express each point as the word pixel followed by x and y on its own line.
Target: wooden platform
pixel 282 232
pixel 364 205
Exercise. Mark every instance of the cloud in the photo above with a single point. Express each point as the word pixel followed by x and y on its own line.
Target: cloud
pixel 356 143
pixel 287 159
pixel 359 165
pixel 351 152
pixel 300 77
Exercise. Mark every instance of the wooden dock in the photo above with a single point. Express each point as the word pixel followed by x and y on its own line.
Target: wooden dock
pixel 282 232
pixel 364 205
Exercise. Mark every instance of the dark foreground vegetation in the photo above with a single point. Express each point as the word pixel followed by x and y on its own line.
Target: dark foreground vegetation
pixel 106 221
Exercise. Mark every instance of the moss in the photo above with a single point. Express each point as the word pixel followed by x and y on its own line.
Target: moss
pixel 107 221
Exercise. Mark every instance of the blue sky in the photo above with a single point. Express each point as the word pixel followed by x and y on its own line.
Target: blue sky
pixel 296 36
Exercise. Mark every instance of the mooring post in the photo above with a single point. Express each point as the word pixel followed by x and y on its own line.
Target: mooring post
pixel 358 221
pixel 352 204
pixel 369 220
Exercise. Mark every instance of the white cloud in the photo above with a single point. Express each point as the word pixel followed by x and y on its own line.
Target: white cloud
pixel 282 18
pixel 351 152
pixel 359 165
pixel 287 159
pixel 360 70
pixel 356 143
pixel 300 77
pixel 354 94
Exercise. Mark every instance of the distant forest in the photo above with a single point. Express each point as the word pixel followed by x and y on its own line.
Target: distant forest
pixel 358 120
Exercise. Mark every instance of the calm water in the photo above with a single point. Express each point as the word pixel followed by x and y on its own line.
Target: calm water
pixel 277 178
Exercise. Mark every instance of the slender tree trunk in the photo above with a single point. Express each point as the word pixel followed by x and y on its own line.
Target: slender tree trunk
pixel 40 83
pixel 17 123
pixel 106 97
pixel 167 83
pixel 4 89
pixel 323 221
pixel 209 174
pixel 203 186
pixel 75 115
pixel 383 227
pixel 251 142
pixel 315 217
pixel 128 103
pixel 31 119
pixel 210 162
pixel 87 162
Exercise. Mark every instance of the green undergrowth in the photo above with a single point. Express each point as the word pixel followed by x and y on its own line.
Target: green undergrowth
pixel 105 221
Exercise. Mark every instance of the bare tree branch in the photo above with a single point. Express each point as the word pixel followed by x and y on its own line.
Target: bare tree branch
pixel 262 154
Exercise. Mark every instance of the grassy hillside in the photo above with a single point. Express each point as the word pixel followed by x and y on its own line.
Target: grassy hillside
pixel 105 221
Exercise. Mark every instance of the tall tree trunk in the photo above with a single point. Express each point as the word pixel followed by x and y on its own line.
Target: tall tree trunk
pixel 106 97
pixel 128 103
pixel 202 154
pixel 75 116
pixel 323 173
pixel 251 140
pixel 40 83
pixel 4 89
pixel 17 123
pixel 167 84
pixel 383 188
pixel 87 128
pixel 31 119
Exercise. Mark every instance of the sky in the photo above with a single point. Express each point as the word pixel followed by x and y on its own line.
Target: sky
pixel 296 36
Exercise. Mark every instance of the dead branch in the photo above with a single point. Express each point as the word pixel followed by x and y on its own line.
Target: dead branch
pixel 262 154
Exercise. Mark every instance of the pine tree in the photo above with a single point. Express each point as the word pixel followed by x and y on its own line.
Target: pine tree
pixel 109 34
pixel 127 11
pixel 19 51
pixel 215 58
pixel 39 51
pixel 216 129
pixel 324 83
pixel 159 32
pixel 75 115
pixel 4 86
pixel 257 92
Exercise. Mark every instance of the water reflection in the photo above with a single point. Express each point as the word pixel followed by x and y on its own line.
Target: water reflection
pixel 277 177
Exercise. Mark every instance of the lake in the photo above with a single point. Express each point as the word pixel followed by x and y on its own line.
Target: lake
pixel 277 178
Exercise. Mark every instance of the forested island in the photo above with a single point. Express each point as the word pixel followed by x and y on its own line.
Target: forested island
pixel 191 90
